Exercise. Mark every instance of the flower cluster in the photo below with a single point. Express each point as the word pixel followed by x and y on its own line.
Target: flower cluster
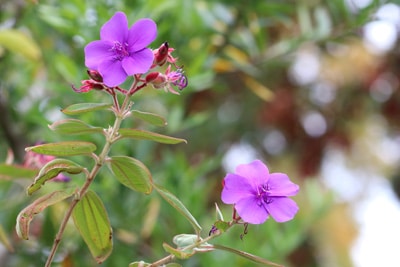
pixel 258 194
pixel 123 51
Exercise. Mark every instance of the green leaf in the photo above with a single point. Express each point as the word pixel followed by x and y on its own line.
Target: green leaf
pixel 222 226
pixel 73 126
pixel 177 252
pixel 62 149
pixel 91 220
pixel 184 240
pixel 146 135
pixel 26 215
pixel 178 205
pixel 139 264
pixel 248 256
pixel 51 170
pixel 132 173
pixel 84 107
pixel 18 42
pixel 151 118
pixel 15 171
pixel 189 243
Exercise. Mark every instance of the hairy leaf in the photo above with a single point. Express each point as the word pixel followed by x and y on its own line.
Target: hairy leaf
pixel 62 149
pixel 51 170
pixel 25 217
pixel 73 126
pixel 132 173
pixel 84 107
pixel 91 220
pixel 146 135
pixel 151 118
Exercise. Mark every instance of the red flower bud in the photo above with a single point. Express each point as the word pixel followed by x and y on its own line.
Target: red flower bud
pixel 95 75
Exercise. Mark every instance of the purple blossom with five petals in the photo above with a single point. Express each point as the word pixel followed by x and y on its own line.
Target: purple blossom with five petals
pixel 121 51
pixel 258 194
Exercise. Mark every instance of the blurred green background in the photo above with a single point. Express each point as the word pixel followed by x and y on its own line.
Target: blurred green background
pixel 310 87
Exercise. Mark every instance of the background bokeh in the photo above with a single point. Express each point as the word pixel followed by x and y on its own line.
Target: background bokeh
pixel 311 87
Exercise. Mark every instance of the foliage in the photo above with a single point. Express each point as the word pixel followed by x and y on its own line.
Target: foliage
pixel 238 58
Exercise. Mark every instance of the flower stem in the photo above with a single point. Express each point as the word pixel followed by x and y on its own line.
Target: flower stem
pixel 110 138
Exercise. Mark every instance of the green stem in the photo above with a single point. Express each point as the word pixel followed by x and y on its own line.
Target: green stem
pixel 110 139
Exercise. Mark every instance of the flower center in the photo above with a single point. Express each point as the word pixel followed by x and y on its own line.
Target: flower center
pixel 263 195
pixel 120 50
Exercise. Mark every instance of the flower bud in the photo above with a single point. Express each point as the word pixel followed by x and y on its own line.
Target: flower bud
pixel 95 75
pixel 161 54
pixel 157 79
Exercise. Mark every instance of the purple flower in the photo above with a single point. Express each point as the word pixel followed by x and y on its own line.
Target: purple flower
pixel 257 194
pixel 121 51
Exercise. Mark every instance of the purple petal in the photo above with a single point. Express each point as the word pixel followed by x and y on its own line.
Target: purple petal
pixel 141 34
pixel 256 172
pixel 112 72
pixel 235 188
pixel 282 209
pixel 96 52
pixel 250 211
pixel 139 62
pixel 116 29
pixel 280 185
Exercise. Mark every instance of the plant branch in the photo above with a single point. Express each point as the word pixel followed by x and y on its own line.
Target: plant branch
pixel 111 137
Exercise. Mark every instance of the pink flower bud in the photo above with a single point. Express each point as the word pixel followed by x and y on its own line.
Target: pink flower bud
pixel 161 54
pixel 95 75
pixel 157 79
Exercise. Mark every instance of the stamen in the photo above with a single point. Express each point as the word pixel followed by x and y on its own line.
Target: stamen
pixel 120 50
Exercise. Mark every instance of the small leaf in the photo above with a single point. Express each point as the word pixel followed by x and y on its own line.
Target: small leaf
pixel 248 256
pixel 184 240
pixel 51 170
pixel 177 252
pixel 84 107
pixel 146 135
pixel 26 215
pixel 91 220
pixel 132 173
pixel 19 42
pixel 139 264
pixel 189 243
pixel 151 118
pixel 73 126
pixel 62 149
pixel 178 205
pixel 15 171
pixel 222 226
